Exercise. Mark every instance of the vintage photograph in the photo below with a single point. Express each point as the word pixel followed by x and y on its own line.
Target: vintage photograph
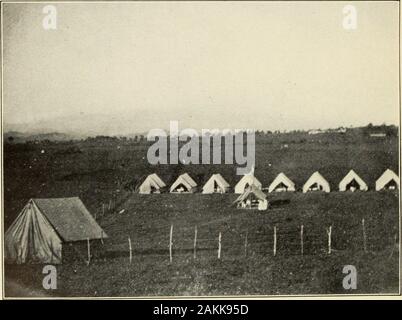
pixel 200 149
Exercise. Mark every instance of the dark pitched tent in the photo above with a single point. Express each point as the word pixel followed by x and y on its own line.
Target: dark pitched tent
pixel 45 225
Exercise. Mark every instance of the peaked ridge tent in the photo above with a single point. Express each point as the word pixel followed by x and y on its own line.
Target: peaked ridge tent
pixel 388 180
pixel 44 226
pixel 281 183
pixel 252 198
pixel 183 184
pixel 216 184
pixel 152 184
pixel 246 181
pixel 316 183
pixel 352 182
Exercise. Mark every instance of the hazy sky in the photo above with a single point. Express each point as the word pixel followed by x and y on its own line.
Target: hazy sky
pixel 129 67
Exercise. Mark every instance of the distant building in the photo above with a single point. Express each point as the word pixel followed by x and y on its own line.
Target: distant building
pixel 318 131
pixel 315 131
pixel 378 135
pixel 340 130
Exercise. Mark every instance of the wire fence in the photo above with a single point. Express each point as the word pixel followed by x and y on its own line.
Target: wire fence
pixel 200 242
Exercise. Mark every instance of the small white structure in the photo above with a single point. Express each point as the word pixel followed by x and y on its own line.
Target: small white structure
pixel 152 184
pixel 378 135
pixel 315 131
pixel 245 182
pixel 389 180
pixel 340 130
pixel 281 183
pixel 352 182
pixel 316 183
pixel 215 184
pixel 183 184
pixel 252 198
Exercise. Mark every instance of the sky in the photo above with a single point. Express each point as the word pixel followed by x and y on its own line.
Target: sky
pixel 121 68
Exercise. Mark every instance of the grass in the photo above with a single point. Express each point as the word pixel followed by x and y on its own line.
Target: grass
pixel 147 220
pixel 98 171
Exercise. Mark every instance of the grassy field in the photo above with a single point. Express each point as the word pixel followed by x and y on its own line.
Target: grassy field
pixel 147 219
pixel 103 170
pixel 99 170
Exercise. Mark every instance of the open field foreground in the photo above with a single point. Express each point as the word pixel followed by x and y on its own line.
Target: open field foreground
pixel 246 266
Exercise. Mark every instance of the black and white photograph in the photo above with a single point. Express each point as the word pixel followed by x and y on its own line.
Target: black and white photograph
pixel 200 149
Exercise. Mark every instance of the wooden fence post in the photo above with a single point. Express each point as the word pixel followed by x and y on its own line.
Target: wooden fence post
pixel 364 236
pixel 394 244
pixel 329 232
pixel 52 253
pixel 245 244
pixel 274 241
pixel 171 243
pixel 301 239
pixel 88 251
pixel 195 242
pixel 219 245
pixel 130 248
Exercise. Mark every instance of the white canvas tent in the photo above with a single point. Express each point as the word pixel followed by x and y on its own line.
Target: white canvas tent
pixel 183 184
pixel 316 183
pixel 352 182
pixel 246 181
pixel 44 226
pixel 252 198
pixel 281 183
pixel 152 184
pixel 389 180
pixel 216 184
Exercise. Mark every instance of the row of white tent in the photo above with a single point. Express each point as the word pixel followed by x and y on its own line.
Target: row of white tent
pixel 217 184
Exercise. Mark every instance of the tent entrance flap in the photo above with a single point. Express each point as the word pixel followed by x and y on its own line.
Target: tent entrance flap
pixel 392 185
pixel 353 185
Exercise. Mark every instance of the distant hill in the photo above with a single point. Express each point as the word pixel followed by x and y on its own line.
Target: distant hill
pixel 18 137
pixel 81 126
